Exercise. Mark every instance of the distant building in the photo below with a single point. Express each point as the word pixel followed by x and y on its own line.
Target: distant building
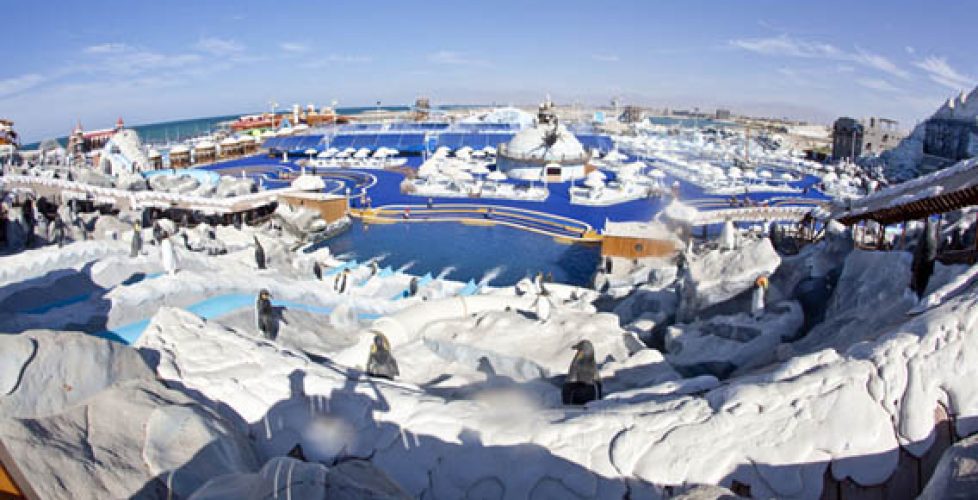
pixel 722 114
pixel 852 139
pixel 631 114
pixel 880 134
pixel 847 139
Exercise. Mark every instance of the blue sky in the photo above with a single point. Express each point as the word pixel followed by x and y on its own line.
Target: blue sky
pixel 153 61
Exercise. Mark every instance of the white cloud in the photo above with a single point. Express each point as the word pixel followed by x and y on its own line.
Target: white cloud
pixel 605 57
pixel 910 50
pixel 219 46
pixel 20 83
pixel 293 47
pixel 941 72
pixel 878 62
pixel 786 46
pixel 877 84
pixel 451 57
pixel 106 48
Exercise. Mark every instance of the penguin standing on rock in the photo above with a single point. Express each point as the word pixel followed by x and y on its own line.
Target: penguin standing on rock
pixel 413 287
pixel 583 382
pixel 381 362
pixel 339 283
pixel 137 241
pixel 265 315
pixel 542 307
pixel 317 270
pixel 259 254
pixel 757 298
pixel 924 256
pixel 167 254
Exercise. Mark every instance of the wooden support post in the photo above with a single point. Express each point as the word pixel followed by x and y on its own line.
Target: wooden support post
pixel 879 241
pixel 903 236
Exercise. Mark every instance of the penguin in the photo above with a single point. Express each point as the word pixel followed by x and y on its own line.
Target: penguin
pixel 543 307
pixel 922 266
pixel 374 268
pixel 757 299
pixel 265 315
pixel 158 233
pixel 59 232
pixel 167 255
pixel 259 254
pixel 317 270
pixel 538 283
pixel 339 284
pixel 237 221
pixel 381 362
pixel 186 241
pixel 137 241
pixel 583 382
pixel 413 287
pixel 28 221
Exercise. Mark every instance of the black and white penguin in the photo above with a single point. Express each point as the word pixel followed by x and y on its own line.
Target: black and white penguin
pixel 924 256
pixel 583 382
pixel 137 241
pixel 259 254
pixel 340 282
pixel 317 270
pixel 59 231
pixel 381 362
pixel 265 315
pixel 158 232
pixel 413 287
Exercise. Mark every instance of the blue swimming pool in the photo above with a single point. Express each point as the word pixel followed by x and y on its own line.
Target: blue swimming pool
pixel 473 251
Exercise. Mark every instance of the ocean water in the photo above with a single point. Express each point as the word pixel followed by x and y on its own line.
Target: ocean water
pixel 178 130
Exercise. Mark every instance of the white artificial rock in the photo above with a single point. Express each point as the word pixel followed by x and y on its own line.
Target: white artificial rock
pixel 720 275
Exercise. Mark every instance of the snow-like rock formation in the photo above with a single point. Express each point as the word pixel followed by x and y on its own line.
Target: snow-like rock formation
pixel 722 344
pixel 289 478
pixel 86 418
pixel 720 275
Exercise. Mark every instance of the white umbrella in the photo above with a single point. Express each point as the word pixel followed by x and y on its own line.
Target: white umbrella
pixel 594 174
pixel 427 169
pixel 479 169
pixel 496 175
pixel 362 153
pixel 765 174
pixel 593 182
pixel 462 176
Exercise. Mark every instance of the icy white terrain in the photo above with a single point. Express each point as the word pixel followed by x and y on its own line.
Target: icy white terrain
pixel 839 378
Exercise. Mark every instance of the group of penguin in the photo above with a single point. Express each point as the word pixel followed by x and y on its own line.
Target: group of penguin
pixel 583 382
pixel 39 222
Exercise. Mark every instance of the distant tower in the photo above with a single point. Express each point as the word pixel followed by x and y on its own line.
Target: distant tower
pixel 119 124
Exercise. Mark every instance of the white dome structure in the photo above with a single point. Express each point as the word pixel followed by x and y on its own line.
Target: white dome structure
pixel 546 149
